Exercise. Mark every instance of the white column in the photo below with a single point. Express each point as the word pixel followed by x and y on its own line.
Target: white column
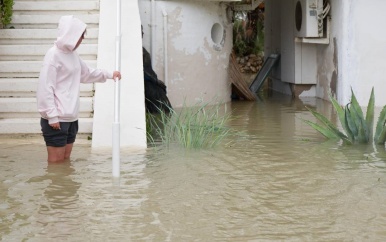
pixel 132 105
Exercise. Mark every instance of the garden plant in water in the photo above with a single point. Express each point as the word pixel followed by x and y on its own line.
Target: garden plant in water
pixel 202 126
pixel 357 128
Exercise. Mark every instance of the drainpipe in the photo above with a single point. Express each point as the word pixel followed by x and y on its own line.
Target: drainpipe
pixel 166 73
pixel 153 33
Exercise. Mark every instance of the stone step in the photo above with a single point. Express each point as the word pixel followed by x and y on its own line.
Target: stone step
pixel 22 48
pixel 52 6
pixel 45 14
pixel 26 68
pixel 24 21
pixel 26 87
pixel 39 36
pixel 37 52
pixel 27 107
pixel 32 125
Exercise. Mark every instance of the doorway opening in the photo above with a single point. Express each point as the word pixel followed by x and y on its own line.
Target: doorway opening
pixel 248 45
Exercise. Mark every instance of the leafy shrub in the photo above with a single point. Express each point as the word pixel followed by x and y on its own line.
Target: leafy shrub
pixel 247 38
pixel 6 11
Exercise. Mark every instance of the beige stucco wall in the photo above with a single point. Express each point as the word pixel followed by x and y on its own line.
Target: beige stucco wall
pixel 353 59
pixel 197 67
pixel 364 50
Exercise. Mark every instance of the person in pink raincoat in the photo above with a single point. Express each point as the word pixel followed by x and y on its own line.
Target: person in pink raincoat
pixel 59 87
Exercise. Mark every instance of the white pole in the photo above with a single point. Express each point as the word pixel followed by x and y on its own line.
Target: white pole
pixel 166 67
pixel 116 125
pixel 153 33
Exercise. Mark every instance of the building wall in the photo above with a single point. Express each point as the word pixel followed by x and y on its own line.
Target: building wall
pixel 353 59
pixel 331 58
pixel 197 64
pixel 364 48
pixel 132 120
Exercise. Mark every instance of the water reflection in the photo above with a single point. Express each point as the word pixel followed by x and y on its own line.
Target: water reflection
pixel 59 201
pixel 277 181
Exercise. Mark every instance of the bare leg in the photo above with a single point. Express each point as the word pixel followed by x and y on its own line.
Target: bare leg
pixel 56 154
pixel 68 149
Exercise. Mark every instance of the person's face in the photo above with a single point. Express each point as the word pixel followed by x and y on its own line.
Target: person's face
pixel 79 41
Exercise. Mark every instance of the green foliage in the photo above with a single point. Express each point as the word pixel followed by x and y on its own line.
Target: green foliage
pixel 259 41
pixel 247 39
pixel 239 44
pixel 6 11
pixel 240 47
pixel 202 126
pixel 357 128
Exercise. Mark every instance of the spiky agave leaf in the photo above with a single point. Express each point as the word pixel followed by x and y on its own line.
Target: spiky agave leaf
pixel 328 126
pixel 323 130
pixel 370 115
pixel 350 123
pixel 381 139
pixel 363 131
pixel 342 117
pixel 380 130
pixel 362 136
pixel 355 104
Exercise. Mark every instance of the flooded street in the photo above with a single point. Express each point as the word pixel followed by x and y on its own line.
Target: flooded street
pixel 279 180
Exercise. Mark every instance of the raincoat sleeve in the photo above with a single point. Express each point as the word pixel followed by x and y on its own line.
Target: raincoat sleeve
pixel 89 75
pixel 46 94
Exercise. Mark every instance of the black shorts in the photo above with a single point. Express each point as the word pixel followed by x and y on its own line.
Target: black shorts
pixel 59 137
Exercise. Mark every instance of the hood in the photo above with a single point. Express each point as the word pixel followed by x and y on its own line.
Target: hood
pixel 70 29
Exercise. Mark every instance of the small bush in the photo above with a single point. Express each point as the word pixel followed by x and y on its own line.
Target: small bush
pixel 6 11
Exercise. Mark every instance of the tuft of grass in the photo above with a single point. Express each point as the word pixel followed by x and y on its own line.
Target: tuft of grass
pixel 197 127
pixel 357 128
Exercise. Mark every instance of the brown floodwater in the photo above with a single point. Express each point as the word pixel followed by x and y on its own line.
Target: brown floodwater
pixel 278 180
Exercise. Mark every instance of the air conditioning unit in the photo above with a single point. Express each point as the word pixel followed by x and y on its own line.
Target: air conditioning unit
pixel 308 18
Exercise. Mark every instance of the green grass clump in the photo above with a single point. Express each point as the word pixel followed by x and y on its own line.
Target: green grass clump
pixel 201 126
pixel 357 127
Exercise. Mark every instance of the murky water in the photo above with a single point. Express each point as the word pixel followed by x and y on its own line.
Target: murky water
pixel 279 181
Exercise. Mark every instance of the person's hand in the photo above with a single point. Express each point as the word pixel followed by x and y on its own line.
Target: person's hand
pixel 116 74
pixel 55 125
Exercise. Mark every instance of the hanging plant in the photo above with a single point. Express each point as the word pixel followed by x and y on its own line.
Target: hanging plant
pixel 6 11
pixel 357 128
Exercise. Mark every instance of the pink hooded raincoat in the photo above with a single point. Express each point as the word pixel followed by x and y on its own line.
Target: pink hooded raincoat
pixel 62 72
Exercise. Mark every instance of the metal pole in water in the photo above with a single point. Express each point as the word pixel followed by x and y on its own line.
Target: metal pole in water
pixel 116 124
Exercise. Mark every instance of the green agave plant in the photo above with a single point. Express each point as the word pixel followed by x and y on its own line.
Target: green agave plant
pixel 357 128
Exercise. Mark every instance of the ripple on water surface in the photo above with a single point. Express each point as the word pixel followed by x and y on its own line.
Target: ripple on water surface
pixel 279 180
